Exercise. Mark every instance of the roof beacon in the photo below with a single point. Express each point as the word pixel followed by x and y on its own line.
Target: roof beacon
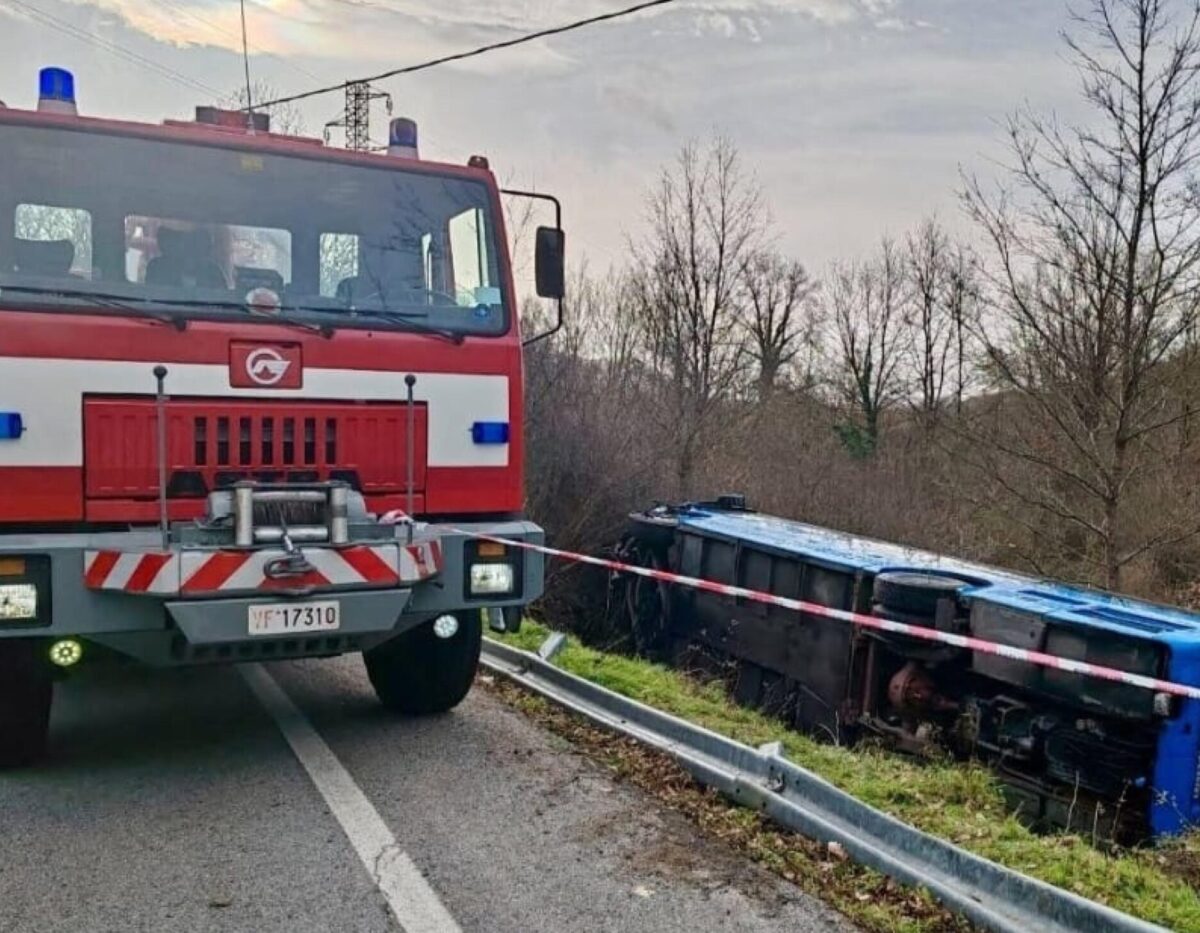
pixel 402 138
pixel 56 91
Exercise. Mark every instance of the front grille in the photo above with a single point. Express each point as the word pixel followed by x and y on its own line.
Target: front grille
pixel 212 444
pixel 285 441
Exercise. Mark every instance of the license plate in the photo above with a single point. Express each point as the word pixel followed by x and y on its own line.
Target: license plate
pixel 295 618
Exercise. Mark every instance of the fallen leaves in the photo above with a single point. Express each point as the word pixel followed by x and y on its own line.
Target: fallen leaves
pixel 873 901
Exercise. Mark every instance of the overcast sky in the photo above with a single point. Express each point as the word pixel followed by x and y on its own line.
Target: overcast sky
pixel 856 115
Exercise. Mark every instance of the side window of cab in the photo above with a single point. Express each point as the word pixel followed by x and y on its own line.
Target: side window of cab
pixel 52 242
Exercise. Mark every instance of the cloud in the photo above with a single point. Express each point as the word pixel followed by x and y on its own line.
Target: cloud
pixel 389 30
pixel 853 125
pixel 288 25
pixel 716 24
pixel 631 99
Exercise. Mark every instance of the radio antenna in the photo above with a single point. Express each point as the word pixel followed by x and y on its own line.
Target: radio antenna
pixel 246 62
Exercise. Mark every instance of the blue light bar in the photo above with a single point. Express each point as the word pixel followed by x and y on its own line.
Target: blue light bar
pixel 490 432
pixel 12 425
pixel 56 84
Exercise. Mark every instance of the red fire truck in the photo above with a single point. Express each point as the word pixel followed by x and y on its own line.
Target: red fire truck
pixel 256 396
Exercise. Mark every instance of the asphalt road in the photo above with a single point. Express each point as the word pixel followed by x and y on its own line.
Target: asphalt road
pixel 172 801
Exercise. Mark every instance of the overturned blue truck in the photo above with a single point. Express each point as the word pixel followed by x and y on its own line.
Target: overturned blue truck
pixel 1114 760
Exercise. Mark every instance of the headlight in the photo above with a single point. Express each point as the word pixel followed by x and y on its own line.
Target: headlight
pixel 491 579
pixel 18 602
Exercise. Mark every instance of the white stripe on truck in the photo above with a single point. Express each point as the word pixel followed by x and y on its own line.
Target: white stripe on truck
pixel 49 395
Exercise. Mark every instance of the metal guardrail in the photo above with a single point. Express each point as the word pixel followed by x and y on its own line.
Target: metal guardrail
pixel 994 897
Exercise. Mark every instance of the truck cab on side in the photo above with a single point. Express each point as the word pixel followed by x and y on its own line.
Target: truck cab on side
pixel 257 396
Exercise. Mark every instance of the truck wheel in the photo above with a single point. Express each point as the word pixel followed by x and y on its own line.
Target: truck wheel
pixel 915 594
pixel 25 693
pixel 420 672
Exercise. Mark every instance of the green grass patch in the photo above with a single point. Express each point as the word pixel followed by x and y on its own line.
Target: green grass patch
pixel 958 801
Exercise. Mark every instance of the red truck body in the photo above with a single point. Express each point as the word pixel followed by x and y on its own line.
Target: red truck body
pixel 258 398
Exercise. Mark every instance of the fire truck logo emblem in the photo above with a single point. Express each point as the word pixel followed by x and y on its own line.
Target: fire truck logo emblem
pixel 266 366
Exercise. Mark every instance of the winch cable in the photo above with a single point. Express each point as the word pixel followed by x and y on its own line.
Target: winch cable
pixel 1039 658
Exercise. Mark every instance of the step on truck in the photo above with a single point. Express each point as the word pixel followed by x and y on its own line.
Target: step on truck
pixel 256 396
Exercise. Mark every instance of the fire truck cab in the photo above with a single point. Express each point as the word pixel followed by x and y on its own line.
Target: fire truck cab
pixel 257 396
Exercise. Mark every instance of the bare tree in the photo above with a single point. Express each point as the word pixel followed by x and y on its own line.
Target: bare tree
pixel 285 118
pixel 1096 276
pixel 706 218
pixel 962 305
pixel 779 314
pixel 927 258
pixel 865 301
pixel 942 307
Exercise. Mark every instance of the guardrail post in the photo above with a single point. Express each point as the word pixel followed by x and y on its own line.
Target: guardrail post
pixel 552 646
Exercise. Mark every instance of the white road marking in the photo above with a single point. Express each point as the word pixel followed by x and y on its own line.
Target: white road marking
pixel 414 903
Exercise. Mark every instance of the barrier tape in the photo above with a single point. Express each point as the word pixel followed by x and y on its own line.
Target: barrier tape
pixel 873 622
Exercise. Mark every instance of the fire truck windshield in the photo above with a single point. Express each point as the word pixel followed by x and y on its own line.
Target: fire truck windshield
pixel 196 228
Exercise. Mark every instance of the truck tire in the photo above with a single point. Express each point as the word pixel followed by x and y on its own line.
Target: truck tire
pixel 419 673
pixel 914 593
pixel 26 689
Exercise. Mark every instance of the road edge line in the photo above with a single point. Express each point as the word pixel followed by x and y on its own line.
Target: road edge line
pixel 413 902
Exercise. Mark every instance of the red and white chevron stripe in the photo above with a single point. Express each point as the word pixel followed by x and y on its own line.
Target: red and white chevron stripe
pixel 196 573
pixel 132 571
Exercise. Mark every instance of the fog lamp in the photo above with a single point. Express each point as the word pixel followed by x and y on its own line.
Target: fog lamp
pixel 66 652
pixel 491 579
pixel 18 602
pixel 445 626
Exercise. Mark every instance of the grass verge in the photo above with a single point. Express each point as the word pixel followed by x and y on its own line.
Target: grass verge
pixel 956 801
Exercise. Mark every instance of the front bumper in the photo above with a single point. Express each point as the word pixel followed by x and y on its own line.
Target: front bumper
pixel 187 605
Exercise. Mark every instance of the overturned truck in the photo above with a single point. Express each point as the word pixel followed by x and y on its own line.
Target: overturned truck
pixel 1108 758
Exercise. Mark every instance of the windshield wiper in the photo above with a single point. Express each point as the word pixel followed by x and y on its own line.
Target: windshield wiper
pixel 401 321
pixel 133 305
pixel 267 317
pixel 100 300
pixel 271 316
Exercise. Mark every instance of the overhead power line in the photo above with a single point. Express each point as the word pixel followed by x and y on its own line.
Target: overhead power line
pixel 472 53
pixel 83 35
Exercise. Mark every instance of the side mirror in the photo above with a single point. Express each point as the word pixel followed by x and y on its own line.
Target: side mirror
pixel 550 262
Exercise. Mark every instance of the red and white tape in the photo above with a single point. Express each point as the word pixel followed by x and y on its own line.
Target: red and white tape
pixel 874 622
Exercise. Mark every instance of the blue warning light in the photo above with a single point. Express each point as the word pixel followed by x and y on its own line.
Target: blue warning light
pixel 403 132
pixel 490 432
pixel 12 426
pixel 56 84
